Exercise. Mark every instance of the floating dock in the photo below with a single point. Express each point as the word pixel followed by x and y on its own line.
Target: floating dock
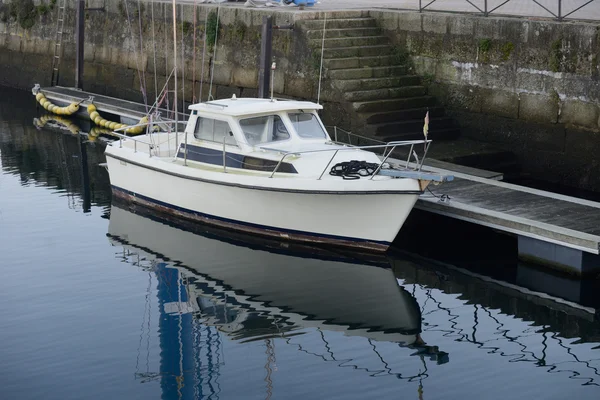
pixel 129 112
pixel 552 229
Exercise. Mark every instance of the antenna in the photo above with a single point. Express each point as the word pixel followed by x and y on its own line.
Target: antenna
pixel 273 68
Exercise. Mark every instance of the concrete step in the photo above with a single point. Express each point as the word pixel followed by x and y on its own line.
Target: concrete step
pixel 340 23
pixel 379 117
pixel 358 62
pixel 348 85
pixel 385 93
pixel 411 126
pixel 341 33
pixel 345 52
pixel 367 72
pixel 350 42
pixel 393 104
pixel 437 135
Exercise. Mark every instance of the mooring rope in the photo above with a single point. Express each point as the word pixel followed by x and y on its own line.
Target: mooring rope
pixel 167 77
pixel 322 56
pixel 214 55
pixel 142 52
pixel 161 95
pixel 194 53
pixel 156 94
pixel 203 55
pixel 137 61
pixel 443 197
pixel 182 66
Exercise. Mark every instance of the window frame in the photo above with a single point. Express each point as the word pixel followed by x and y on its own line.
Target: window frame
pixel 315 117
pixel 284 119
pixel 227 121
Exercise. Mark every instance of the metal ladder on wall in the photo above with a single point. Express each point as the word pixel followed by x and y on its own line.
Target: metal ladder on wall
pixel 60 26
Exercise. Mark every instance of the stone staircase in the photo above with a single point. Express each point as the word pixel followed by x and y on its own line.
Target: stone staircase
pixel 363 72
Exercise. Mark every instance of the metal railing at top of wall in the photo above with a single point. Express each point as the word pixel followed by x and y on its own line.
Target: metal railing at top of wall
pixel 562 11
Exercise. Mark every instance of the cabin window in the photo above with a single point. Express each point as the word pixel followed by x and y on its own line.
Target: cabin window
pixel 307 125
pixel 266 129
pixel 213 130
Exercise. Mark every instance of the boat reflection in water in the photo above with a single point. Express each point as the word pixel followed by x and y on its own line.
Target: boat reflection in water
pixel 260 290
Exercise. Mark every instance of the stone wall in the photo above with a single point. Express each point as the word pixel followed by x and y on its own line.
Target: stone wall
pixel 118 63
pixel 528 85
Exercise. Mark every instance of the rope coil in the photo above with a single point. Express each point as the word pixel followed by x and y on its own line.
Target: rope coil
pixel 353 169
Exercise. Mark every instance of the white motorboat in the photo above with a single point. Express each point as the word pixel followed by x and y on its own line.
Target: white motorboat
pixel 268 166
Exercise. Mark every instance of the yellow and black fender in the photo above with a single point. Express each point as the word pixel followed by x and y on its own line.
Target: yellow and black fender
pixel 96 131
pixel 53 108
pixel 104 123
pixel 67 123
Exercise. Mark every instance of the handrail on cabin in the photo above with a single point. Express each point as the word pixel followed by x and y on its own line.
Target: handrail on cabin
pixel 391 145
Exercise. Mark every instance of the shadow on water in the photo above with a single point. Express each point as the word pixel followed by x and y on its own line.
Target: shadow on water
pixel 488 252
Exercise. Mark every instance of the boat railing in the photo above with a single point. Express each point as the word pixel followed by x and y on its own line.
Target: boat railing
pixel 388 148
pixel 150 125
pixel 339 134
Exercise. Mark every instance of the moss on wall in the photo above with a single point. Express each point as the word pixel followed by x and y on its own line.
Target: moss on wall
pixel 507 49
pixel 24 12
pixel 555 56
pixel 212 27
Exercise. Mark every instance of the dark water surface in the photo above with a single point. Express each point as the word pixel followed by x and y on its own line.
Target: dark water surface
pixel 99 302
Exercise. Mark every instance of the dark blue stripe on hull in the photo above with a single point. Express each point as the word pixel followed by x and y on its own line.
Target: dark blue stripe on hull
pixel 250 227
pixel 211 156
pixel 233 160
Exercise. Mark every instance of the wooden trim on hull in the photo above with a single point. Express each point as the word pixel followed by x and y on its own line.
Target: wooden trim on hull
pixel 288 235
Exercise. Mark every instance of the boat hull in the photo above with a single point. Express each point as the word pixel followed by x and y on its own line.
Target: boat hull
pixel 360 220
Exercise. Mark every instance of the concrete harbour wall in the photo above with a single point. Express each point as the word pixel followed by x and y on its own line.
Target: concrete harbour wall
pixel 529 85
pixel 118 63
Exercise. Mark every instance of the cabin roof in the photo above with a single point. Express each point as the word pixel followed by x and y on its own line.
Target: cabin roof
pixel 248 106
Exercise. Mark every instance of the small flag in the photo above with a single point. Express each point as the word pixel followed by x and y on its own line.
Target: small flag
pixel 426 125
pixel 426 128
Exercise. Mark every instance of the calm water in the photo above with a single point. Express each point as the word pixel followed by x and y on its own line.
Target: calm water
pixel 99 302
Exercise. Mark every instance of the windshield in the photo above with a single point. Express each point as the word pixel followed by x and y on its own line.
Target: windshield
pixel 269 128
pixel 307 125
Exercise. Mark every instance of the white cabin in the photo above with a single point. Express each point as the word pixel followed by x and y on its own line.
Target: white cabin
pixel 256 133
